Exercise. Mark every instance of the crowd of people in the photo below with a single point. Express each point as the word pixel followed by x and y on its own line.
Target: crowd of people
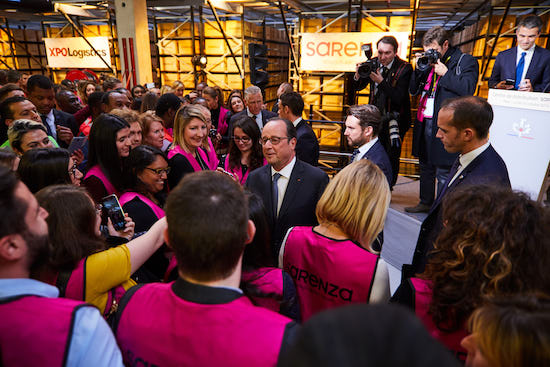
pixel 153 227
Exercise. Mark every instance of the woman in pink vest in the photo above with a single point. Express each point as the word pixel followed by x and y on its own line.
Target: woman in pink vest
pixel 214 98
pixel 266 285
pixel 245 152
pixel 333 264
pixel 83 265
pixel 185 155
pixel 146 171
pixel 109 146
pixel 207 144
pixel 153 131
pixel 494 243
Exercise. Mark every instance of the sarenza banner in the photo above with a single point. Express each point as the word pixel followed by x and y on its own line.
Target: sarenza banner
pixel 74 52
pixel 341 51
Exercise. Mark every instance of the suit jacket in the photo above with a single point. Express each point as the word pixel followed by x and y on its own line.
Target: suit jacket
pixel 486 168
pixel 392 96
pixel 376 154
pixel 67 120
pixel 307 146
pixel 305 187
pixel 459 80
pixel 538 72
pixel 266 115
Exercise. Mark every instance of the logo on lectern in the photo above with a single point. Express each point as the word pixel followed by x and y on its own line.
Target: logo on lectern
pixel 521 130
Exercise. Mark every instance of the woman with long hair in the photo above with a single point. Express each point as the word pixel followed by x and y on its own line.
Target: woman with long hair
pixel 245 152
pixel 494 242
pixel 109 146
pixel 207 144
pixel 185 155
pixel 334 263
pixel 265 284
pixel 85 88
pixel 43 167
pixel 178 88
pixel 235 103
pixel 149 102
pixel 217 111
pixel 82 265
pixel 132 118
pixel 146 171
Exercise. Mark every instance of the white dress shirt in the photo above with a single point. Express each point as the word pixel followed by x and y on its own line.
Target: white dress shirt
pixel 259 120
pixel 282 183
pixel 365 148
pixel 528 57
pixel 296 122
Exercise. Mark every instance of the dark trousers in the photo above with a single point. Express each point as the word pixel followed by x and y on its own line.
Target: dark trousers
pixel 430 172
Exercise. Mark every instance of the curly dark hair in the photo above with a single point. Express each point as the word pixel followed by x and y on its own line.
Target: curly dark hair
pixel 250 128
pixel 495 241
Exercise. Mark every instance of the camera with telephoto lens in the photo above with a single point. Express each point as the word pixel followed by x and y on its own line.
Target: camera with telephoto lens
pixel 212 133
pixel 428 58
pixel 369 66
pixel 393 128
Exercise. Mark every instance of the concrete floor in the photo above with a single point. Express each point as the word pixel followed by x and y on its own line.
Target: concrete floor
pixel 406 193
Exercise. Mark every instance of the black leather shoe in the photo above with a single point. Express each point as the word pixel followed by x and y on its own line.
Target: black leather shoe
pixel 420 208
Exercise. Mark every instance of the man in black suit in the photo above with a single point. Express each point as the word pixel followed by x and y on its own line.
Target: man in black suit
pixel 61 125
pixel 527 64
pixel 389 91
pixel 291 108
pixel 253 101
pixel 454 74
pixel 362 127
pixel 463 125
pixel 288 187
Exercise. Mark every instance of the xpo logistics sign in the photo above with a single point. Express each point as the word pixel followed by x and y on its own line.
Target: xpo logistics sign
pixel 74 52
pixel 341 51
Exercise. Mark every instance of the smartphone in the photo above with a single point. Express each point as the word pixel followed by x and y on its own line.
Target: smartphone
pixel 78 142
pixel 112 209
pixel 510 82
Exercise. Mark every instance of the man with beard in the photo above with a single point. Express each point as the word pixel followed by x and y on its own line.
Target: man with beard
pixel 58 331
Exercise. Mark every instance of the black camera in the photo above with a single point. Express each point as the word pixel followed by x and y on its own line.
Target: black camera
pixel 212 133
pixel 428 58
pixel 369 66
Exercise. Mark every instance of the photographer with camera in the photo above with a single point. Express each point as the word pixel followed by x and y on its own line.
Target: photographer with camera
pixel 442 72
pixel 388 77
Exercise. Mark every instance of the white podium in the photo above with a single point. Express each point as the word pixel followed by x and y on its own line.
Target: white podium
pixel 520 133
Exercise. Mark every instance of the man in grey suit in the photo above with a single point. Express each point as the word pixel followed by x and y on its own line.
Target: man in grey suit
pixel 289 188
pixel 254 101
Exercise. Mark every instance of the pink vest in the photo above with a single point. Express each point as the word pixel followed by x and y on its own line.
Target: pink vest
pixel 36 331
pixel 97 172
pixel 76 289
pixel 212 159
pixel 238 171
pixel 422 300
pixel 157 327
pixel 129 196
pixel 425 96
pixel 196 166
pixel 222 123
pixel 328 273
pixel 268 281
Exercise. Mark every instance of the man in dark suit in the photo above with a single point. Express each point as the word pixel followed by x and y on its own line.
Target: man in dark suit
pixel 288 187
pixel 254 101
pixel 527 64
pixel 389 91
pixel 463 128
pixel 61 125
pixel 362 127
pixel 454 74
pixel 291 108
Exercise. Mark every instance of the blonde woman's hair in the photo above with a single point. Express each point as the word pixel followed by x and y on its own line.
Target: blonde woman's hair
pixel 166 89
pixel 176 84
pixel 182 119
pixel 206 112
pixel 356 200
pixel 146 119
pixel 130 116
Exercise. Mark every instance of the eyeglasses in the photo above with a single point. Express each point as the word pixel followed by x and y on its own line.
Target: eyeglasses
pixel 73 169
pixel 274 140
pixel 244 139
pixel 98 209
pixel 159 171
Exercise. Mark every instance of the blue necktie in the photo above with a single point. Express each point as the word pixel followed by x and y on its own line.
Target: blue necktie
pixel 275 191
pixel 519 69
pixel 354 155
